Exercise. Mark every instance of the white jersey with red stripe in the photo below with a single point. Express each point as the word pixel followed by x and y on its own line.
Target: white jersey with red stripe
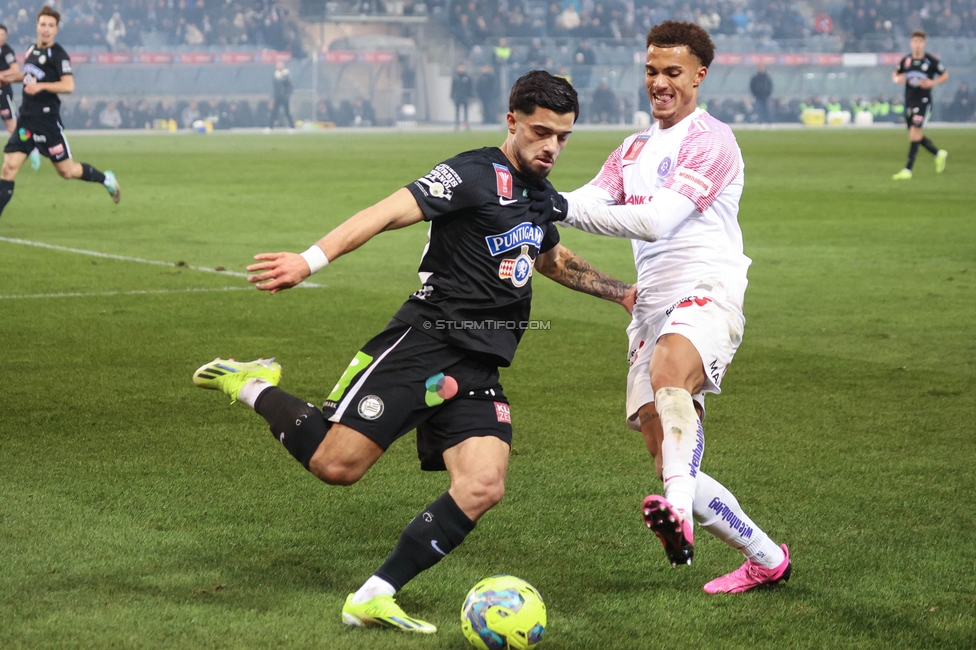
pixel 699 158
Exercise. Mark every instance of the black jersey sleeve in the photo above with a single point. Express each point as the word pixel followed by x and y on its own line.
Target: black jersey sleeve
pixel 550 239
pixel 9 57
pixel 61 61
pixel 904 64
pixel 936 67
pixel 450 186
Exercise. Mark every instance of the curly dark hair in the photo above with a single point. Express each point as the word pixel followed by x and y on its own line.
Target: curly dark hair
pixel 539 88
pixel 48 11
pixel 671 33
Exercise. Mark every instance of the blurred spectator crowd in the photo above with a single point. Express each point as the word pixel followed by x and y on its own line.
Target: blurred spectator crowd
pixel 182 114
pixel 901 17
pixel 476 22
pixel 481 22
pixel 128 24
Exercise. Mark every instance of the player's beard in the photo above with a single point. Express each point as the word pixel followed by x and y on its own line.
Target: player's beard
pixel 531 171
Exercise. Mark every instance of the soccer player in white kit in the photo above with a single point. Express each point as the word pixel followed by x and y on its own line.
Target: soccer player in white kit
pixel 674 190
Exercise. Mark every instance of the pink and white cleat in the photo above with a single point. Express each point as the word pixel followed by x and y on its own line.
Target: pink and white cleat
pixel 671 527
pixel 751 575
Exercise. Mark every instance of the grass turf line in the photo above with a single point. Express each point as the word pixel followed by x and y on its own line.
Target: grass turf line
pixel 138 511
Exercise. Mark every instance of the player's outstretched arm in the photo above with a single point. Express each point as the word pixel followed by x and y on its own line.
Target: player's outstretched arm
pixel 570 270
pixel 280 271
pixel 647 222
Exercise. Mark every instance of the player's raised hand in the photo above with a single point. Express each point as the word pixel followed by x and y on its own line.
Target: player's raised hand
pixel 279 271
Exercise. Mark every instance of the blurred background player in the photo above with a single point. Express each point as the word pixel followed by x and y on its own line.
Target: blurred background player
pixel 462 90
pixel 761 87
pixel 435 366
pixel 8 109
pixel 920 72
pixel 674 189
pixel 283 89
pixel 47 73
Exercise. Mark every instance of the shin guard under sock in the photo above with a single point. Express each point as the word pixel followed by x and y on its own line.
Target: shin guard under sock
pixel 90 174
pixel 682 447
pixel 432 534
pixel 6 193
pixel 912 152
pixel 718 512
pixel 298 425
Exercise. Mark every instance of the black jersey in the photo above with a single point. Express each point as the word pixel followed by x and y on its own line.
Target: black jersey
pixel 928 67
pixel 476 270
pixel 7 58
pixel 47 65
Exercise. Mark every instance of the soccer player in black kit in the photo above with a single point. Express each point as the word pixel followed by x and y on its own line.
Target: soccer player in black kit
pixel 46 73
pixel 8 61
pixel 920 72
pixel 8 109
pixel 435 366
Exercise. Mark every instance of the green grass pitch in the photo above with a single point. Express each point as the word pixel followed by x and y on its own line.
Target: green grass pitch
pixel 139 512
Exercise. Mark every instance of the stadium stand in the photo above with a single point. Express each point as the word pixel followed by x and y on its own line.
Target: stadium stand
pixel 134 24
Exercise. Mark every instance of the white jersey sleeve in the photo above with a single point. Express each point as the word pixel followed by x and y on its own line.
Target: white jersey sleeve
pixel 708 161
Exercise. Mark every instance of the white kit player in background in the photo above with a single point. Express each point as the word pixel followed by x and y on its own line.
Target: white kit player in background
pixel 674 190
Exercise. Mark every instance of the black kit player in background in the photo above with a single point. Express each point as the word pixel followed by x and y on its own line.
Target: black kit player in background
pixel 8 108
pixel 47 72
pixel 920 72
pixel 435 366
pixel 8 61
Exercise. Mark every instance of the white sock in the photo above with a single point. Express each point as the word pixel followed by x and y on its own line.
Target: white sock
pixel 251 389
pixel 718 511
pixel 682 447
pixel 371 589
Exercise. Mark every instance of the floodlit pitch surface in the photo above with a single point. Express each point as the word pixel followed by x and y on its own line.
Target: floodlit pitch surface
pixel 138 511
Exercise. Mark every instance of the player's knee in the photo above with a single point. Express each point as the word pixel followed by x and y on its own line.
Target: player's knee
pixel 65 173
pixel 335 471
pixel 481 493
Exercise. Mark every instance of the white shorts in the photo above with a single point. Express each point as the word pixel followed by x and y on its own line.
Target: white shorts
pixel 703 317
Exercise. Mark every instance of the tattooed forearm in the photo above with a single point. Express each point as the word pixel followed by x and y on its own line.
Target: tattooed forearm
pixel 571 270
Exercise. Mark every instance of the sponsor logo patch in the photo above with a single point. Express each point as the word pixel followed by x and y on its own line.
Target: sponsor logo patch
pixel 38 137
pixel 371 407
pixel 503 181
pixel 503 412
pixel 439 183
pixel 688 302
pixel 5 113
pixel 635 148
pixel 521 235
pixel 664 167
pixel 440 387
pixel 56 150
pixel 694 180
pixel 65 66
pixel 518 270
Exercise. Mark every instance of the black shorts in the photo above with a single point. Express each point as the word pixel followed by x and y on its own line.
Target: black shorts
pixel 404 379
pixel 8 109
pixel 42 132
pixel 917 114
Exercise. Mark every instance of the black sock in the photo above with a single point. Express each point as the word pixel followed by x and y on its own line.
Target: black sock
pixel 90 174
pixel 6 193
pixel 912 152
pixel 929 146
pixel 432 534
pixel 298 425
